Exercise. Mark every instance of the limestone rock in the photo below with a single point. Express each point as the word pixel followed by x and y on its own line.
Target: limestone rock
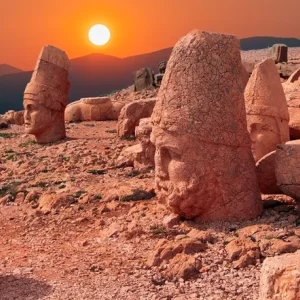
pixel 89 109
pixel 265 172
pixel 280 278
pixel 45 96
pixel 3 123
pixel 266 108
pixel 143 79
pixel 14 117
pixel 279 53
pixel 287 170
pixel 292 93
pixel 132 113
pixel 243 252
pixel 203 159
pixel 49 201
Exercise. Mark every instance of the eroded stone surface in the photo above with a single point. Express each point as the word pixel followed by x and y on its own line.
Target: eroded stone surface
pixel 292 93
pixel 279 53
pixel 14 117
pixel 203 159
pixel 280 278
pixel 265 172
pixel 89 109
pixel 287 170
pixel 266 108
pixel 45 96
pixel 132 113
pixel 143 79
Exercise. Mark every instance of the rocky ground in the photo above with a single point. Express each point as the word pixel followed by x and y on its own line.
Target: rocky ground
pixel 258 55
pixel 76 225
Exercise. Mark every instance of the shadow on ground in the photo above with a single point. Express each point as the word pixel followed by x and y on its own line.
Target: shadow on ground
pixel 12 287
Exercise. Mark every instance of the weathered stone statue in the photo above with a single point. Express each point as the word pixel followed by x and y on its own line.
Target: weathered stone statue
pixel 204 167
pixel 161 69
pixel 45 96
pixel 143 79
pixel 279 53
pixel 266 108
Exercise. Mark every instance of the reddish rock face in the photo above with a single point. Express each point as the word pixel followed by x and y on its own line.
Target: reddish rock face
pixel 203 163
pixel 45 96
pixel 267 113
pixel 280 277
pixel 131 114
pixel 292 93
pixel 287 169
pixel 89 109
pixel 265 172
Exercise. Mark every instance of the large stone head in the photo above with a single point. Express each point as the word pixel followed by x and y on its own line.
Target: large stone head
pixel 199 130
pixel 45 96
pixel 266 108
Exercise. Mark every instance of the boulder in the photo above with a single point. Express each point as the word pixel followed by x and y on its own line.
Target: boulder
pixel 92 109
pixel 3 123
pixel 287 170
pixel 14 117
pixel 132 113
pixel 292 93
pixel 265 172
pixel 280 278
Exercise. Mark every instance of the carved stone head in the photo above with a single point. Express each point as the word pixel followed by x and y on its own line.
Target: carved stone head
pixel 266 107
pixel 45 96
pixel 203 163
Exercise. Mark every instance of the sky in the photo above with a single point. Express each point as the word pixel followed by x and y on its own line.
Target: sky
pixel 137 26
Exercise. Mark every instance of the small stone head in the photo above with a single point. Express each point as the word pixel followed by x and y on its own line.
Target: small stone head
pixel 45 96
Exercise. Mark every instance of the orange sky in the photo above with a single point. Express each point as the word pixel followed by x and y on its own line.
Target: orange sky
pixel 137 26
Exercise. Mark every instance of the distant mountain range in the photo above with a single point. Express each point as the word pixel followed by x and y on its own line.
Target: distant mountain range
pixel 99 74
pixel 7 69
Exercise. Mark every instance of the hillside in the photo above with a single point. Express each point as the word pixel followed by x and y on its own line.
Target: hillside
pixel 7 69
pixel 98 74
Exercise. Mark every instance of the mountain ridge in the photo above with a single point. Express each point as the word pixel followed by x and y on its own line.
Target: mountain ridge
pixel 97 74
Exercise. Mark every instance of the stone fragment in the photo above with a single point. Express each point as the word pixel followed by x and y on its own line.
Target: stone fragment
pixel 3 123
pixel 280 278
pixel 265 172
pixel 132 113
pixel 140 156
pixel 92 109
pixel 183 266
pixel 266 109
pixel 292 93
pixel 279 53
pixel 143 79
pixel 165 250
pixel 287 170
pixel 14 117
pixel 203 159
pixel 45 96
pixel 171 220
pixel 243 252
pixel 49 201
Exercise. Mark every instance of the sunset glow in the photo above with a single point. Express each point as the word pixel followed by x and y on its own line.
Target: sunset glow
pixel 99 35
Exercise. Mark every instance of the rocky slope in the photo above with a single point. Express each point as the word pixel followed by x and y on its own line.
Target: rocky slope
pixel 76 225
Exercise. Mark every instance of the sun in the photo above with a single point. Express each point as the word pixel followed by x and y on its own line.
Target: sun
pixel 99 34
